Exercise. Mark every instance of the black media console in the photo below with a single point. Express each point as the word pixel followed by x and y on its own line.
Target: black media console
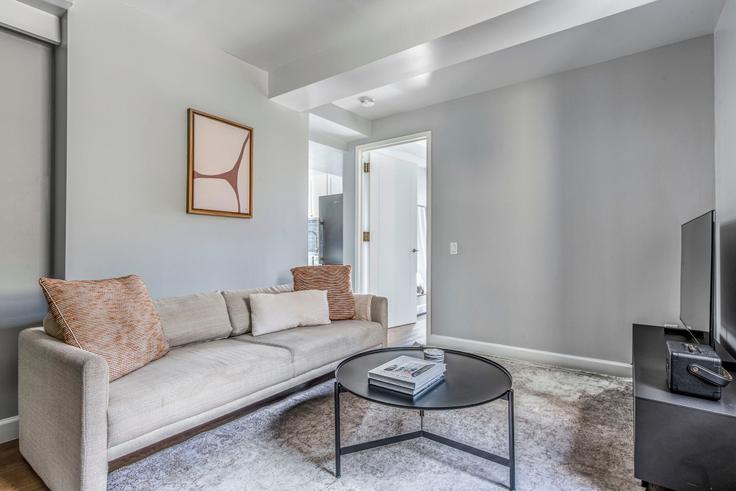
pixel 680 442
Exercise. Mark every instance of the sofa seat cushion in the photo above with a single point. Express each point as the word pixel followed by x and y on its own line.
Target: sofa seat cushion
pixel 315 346
pixel 190 380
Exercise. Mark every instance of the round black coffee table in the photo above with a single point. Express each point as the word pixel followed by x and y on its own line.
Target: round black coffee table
pixel 470 380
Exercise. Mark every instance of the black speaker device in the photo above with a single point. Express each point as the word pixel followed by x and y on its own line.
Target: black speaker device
pixel 695 369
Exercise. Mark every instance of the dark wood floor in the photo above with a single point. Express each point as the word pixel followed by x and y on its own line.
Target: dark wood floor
pixel 17 475
pixel 408 334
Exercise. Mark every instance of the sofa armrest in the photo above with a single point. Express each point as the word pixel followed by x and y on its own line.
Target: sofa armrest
pixel 62 404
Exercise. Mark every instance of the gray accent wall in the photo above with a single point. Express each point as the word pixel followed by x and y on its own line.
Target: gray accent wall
pixel 25 220
pixel 725 157
pixel 566 195
pixel 131 78
pixel 117 203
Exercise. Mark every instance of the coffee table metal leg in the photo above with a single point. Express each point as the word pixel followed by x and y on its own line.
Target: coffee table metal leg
pixel 510 462
pixel 512 452
pixel 337 429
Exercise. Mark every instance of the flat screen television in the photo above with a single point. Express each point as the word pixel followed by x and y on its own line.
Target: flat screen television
pixel 697 275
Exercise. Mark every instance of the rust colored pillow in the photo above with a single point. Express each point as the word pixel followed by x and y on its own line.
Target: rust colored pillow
pixel 113 318
pixel 333 278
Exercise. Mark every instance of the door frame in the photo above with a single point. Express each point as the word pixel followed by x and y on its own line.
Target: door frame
pixel 361 202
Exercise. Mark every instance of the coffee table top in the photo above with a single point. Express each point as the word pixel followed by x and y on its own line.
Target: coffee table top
pixel 470 380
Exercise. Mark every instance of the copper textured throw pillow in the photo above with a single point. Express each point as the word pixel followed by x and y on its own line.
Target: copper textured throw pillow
pixel 333 278
pixel 113 318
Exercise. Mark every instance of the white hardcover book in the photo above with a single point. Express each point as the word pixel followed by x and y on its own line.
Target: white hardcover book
pixel 404 390
pixel 407 371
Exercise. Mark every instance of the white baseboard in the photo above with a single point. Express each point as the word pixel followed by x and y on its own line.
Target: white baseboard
pixel 8 429
pixel 595 365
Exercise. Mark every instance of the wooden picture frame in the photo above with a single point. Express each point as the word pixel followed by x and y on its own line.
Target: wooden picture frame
pixel 220 166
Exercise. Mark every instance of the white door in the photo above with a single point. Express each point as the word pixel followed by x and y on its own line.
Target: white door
pixel 392 248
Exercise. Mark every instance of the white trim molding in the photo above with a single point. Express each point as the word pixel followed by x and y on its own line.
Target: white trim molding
pixel 9 429
pixel 583 363
pixel 361 202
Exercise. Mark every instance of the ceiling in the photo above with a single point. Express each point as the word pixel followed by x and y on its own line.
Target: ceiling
pixel 321 55
pixel 271 33
pixel 334 134
pixel 649 26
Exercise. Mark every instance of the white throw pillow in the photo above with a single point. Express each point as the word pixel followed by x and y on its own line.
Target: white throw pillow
pixel 276 312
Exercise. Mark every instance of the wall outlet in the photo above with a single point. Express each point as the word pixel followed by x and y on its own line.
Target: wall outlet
pixel 453 248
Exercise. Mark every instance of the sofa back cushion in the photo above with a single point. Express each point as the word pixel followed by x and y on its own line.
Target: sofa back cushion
pixel 277 312
pixel 194 318
pixel 238 306
pixel 113 318
pixel 333 278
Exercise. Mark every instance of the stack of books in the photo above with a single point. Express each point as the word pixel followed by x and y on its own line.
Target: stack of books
pixel 408 376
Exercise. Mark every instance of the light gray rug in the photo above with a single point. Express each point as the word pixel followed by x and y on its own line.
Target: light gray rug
pixel 573 431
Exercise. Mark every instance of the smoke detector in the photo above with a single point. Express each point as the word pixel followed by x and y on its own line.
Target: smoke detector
pixel 366 101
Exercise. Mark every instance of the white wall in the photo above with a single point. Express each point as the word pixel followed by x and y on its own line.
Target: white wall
pixel 131 79
pixel 725 159
pixel 566 195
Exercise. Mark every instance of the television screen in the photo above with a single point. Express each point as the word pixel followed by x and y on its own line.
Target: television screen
pixel 696 273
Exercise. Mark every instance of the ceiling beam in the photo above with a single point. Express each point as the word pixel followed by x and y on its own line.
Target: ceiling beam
pixel 313 82
pixel 344 118
pixel 650 26
pixel 436 19
pixel 328 140
pixel 335 134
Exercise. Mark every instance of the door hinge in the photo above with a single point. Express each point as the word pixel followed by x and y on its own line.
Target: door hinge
pixel 366 166
pixel 366 236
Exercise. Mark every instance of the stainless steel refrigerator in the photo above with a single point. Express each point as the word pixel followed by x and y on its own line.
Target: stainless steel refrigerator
pixel 330 230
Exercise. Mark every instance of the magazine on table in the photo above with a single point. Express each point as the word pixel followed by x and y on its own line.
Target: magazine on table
pixel 419 391
pixel 407 372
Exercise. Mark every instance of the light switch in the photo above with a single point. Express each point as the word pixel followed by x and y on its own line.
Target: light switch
pixel 453 248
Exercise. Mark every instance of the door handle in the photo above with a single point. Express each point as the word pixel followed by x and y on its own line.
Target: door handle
pixel 414 251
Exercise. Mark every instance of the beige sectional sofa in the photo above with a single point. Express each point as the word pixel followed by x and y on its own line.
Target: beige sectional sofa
pixel 73 421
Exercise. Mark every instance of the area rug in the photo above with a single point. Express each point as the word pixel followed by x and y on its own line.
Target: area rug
pixel 573 431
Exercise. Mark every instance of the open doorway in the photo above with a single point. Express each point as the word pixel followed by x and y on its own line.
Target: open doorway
pixel 325 210
pixel 393 210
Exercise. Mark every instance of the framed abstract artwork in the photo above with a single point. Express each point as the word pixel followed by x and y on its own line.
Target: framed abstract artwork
pixel 220 161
